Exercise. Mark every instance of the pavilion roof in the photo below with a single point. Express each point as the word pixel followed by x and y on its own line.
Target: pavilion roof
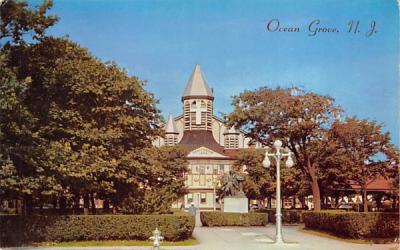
pixel 378 184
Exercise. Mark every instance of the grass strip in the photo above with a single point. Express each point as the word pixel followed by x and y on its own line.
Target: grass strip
pixel 111 243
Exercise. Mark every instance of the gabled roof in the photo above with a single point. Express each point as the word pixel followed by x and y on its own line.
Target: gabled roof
pixel 170 126
pixel 194 139
pixel 203 152
pixel 197 85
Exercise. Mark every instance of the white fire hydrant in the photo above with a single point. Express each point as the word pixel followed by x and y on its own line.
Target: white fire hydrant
pixel 156 238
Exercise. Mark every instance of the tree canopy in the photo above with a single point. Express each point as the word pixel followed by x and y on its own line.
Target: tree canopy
pixel 300 119
pixel 364 145
pixel 73 126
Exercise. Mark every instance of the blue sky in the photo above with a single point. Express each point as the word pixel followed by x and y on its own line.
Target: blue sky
pixel 161 41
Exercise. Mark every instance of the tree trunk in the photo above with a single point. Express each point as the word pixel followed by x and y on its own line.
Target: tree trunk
pixel 20 206
pixel 114 204
pixel 28 205
pixel 54 205
pixel 315 190
pixel 93 203
pixel 303 202
pixel 85 204
pixel 365 203
pixel 63 205
pixel 41 203
pixel 394 203
pixel 106 204
pixel 76 204
pixel 269 202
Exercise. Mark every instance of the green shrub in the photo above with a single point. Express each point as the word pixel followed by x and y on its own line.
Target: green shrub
pixel 16 229
pixel 288 216
pixel 233 219
pixel 354 225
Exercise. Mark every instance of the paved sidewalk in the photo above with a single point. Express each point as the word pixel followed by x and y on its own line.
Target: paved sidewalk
pixel 251 238
pixel 238 238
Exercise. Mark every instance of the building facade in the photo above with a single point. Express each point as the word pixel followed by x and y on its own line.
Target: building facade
pixel 212 146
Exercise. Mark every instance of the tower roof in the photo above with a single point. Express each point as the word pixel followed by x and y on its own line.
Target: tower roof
pixel 197 85
pixel 194 139
pixel 171 127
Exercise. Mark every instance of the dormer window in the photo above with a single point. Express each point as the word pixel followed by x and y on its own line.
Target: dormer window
pixel 231 141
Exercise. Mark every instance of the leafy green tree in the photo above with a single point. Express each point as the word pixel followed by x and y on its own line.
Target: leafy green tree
pixel 258 180
pixel 22 177
pixel 20 23
pixel 103 116
pixel 81 128
pixel 300 119
pixel 20 151
pixel 393 171
pixel 162 184
pixel 393 155
pixel 364 143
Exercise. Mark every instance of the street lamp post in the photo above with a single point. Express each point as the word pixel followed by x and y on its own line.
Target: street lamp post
pixel 289 163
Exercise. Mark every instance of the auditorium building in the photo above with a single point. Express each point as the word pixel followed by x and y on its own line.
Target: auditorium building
pixel 211 145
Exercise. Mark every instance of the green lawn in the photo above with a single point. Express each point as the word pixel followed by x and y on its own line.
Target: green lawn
pixel 335 237
pixel 110 243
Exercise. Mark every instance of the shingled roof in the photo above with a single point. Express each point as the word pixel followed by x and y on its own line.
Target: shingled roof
pixel 194 139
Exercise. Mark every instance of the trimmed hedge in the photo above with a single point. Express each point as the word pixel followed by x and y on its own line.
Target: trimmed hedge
pixel 288 216
pixel 17 229
pixel 354 225
pixel 211 219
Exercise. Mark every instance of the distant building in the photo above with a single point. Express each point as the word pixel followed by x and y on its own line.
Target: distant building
pixel 212 146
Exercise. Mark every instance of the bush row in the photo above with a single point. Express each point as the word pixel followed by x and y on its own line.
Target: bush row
pixel 354 225
pixel 233 219
pixel 288 216
pixel 17 229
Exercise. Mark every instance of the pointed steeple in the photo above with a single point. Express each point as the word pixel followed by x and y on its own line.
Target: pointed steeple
pixel 197 85
pixel 171 127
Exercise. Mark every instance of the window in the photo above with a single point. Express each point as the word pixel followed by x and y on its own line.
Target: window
pixel 215 169
pixel 202 170
pixel 190 198
pixel 203 197
pixel 287 203
pixel 203 104
pixel 193 104
pixel 195 169
pixel 221 169
pixel 231 141
pixel 171 140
